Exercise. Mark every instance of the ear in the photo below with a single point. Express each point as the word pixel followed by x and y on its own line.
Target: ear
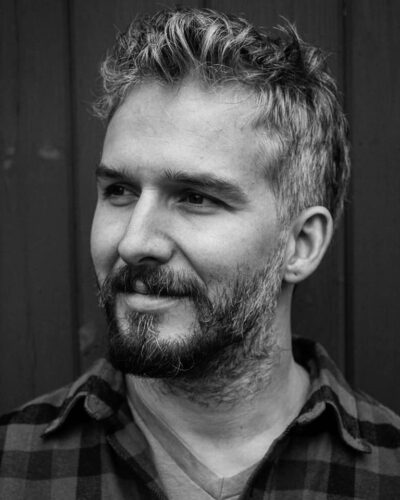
pixel 308 239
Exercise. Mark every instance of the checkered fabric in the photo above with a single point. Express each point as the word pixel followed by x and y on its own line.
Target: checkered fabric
pixel 81 442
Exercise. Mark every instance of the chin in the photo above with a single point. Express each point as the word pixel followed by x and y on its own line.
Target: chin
pixel 153 346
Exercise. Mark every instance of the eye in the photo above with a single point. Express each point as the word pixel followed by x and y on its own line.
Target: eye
pixel 115 190
pixel 195 198
pixel 118 194
pixel 199 203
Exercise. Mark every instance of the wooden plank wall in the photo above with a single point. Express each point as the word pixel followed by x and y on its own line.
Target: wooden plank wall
pixel 37 276
pixel 374 107
pixel 50 326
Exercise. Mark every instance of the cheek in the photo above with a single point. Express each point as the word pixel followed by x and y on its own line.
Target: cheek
pixel 104 240
pixel 217 255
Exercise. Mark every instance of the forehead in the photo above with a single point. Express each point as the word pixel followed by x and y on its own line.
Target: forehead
pixel 185 126
pixel 190 102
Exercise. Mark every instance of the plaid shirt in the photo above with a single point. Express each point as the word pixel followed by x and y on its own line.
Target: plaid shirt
pixel 81 442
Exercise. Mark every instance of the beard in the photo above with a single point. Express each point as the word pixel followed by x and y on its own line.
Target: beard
pixel 231 329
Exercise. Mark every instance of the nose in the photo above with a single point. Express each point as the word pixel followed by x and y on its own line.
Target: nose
pixel 146 239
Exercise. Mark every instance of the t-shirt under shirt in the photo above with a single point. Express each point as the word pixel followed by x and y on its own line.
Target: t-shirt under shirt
pixel 181 474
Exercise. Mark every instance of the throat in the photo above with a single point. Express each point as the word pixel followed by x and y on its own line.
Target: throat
pixel 226 433
pixel 235 375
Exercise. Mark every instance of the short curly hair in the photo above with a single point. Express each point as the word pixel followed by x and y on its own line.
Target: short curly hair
pixel 297 98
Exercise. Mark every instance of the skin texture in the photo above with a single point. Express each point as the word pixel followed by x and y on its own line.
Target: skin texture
pixel 156 130
pixel 157 138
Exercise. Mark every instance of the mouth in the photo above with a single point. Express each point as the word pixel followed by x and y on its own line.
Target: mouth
pixel 141 299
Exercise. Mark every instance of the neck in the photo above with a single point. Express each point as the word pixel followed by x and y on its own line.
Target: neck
pixel 267 397
pixel 230 425
pixel 230 416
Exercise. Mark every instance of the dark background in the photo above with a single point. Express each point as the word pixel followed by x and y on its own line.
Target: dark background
pixel 50 326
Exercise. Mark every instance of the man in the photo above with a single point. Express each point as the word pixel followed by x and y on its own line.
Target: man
pixel 223 173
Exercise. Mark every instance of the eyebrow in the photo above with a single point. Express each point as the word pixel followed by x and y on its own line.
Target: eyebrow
pixel 103 172
pixel 209 182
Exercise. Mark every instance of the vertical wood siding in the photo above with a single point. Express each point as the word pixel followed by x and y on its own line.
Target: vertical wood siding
pixel 374 107
pixel 37 279
pixel 50 326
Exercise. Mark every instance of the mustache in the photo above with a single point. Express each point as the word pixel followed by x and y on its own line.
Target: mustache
pixel 162 282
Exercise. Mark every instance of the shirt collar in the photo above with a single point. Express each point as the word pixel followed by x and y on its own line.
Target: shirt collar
pixel 329 390
pixel 102 391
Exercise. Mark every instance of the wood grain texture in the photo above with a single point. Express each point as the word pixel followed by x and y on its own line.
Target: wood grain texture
pixel 15 345
pixel 319 302
pixel 374 82
pixel 37 337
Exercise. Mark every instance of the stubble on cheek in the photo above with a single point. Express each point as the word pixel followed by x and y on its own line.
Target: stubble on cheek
pixel 213 331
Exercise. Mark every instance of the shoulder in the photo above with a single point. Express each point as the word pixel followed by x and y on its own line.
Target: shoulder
pixel 359 415
pixel 43 439
pixel 22 429
pixel 38 411
pixel 25 455
pixel 42 407
pixel 364 435
pixel 63 410
pixel 378 425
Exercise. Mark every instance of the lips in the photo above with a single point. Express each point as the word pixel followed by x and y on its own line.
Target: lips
pixel 142 301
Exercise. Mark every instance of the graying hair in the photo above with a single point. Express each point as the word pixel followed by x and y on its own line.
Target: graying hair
pixel 297 98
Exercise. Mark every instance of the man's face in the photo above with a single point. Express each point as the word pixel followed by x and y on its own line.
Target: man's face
pixel 185 238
